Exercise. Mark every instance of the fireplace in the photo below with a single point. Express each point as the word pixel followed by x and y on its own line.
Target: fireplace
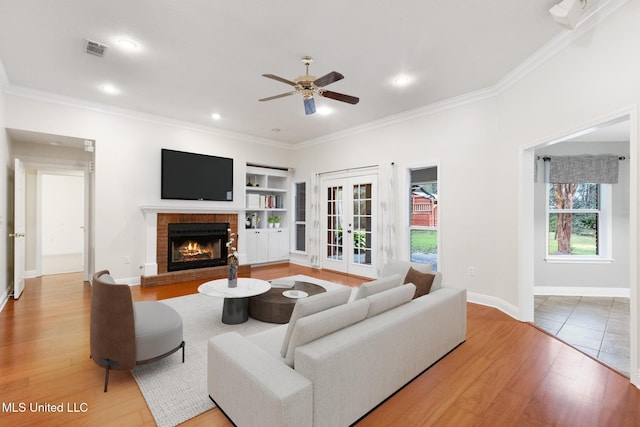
pixel 196 245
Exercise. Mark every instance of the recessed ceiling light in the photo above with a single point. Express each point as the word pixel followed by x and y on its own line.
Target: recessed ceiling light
pixel 324 110
pixel 401 80
pixel 216 116
pixel 109 88
pixel 127 44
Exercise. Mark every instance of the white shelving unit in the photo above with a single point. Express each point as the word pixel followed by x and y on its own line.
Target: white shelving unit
pixel 266 196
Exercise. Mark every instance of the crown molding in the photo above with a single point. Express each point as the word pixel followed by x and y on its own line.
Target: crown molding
pixel 599 13
pixel 542 55
pixel 28 93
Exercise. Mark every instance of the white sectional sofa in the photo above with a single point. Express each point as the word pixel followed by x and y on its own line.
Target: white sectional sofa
pixel 340 356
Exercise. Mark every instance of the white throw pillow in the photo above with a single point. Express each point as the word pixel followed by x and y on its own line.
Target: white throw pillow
pixel 313 304
pixel 389 299
pixel 317 325
pixel 379 285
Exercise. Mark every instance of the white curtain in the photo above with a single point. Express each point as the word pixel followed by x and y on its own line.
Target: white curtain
pixel 314 222
pixel 386 214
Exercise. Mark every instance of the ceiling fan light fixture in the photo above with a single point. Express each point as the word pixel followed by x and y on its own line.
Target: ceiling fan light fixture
pixel 309 106
pixel 308 86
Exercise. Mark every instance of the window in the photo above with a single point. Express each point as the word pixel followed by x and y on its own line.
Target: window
pixel 578 221
pixel 423 211
pixel 300 206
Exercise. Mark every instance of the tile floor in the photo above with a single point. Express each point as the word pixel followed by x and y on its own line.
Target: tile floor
pixel 596 326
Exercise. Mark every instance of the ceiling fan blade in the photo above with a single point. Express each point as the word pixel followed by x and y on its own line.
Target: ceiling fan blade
pixel 282 95
pixel 309 106
pixel 340 97
pixel 332 77
pixel 280 79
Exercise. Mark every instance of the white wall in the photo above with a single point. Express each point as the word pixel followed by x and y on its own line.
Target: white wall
pixel 612 276
pixel 127 169
pixel 63 214
pixel 478 147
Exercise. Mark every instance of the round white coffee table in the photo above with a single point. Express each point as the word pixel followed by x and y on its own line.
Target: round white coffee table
pixel 236 300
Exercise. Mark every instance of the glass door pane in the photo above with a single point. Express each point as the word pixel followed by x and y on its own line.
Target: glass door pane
pixel 362 223
pixel 334 249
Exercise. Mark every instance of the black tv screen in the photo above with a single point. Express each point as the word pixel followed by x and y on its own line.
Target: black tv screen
pixel 191 176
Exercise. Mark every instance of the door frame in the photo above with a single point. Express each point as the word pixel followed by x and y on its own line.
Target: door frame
pixel 39 213
pixel 52 168
pixel 350 177
pixel 526 221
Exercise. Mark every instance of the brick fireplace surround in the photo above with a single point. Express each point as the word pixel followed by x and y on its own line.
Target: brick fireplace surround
pixel 165 277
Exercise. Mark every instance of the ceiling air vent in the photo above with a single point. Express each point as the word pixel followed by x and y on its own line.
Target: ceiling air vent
pixel 96 48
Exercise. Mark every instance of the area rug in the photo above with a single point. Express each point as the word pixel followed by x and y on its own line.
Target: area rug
pixel 175 391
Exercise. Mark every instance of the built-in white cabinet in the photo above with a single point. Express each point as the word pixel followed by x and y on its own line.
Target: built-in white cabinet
pixel 266 216
pixel 267 245
pixel 278 244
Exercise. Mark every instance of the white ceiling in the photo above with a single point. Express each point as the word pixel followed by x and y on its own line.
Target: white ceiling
pixel 198 57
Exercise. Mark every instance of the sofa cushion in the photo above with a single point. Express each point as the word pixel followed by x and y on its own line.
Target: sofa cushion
pixel 270 340
pixel 378 285
pixel 311 305
pixel 390 298
pixel 314 326
pixel 423 281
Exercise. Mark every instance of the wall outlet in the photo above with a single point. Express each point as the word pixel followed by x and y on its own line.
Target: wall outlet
pixel 127 260
pixel 472 271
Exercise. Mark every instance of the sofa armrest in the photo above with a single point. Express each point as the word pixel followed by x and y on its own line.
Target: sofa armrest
pixel 253 388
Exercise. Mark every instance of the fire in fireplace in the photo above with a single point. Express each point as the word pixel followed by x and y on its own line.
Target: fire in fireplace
pixel 196 245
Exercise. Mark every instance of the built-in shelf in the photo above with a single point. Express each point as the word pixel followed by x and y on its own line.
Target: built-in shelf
pixel 266 196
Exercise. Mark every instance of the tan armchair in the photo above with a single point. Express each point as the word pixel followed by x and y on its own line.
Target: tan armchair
pixel 124 333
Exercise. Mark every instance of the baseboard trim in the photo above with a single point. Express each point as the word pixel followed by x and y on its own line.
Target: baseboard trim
pixel 571 291
pixel 490 301
pixel 4 300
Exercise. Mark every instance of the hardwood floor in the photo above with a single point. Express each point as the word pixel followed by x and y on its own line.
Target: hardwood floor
pixel 506 373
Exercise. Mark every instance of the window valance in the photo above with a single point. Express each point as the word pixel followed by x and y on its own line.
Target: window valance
pixel 600 169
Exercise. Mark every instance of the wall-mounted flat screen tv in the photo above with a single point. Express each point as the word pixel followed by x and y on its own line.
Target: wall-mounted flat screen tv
pixel 191 176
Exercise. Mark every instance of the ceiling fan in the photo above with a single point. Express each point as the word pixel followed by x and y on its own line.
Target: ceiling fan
pixel 308 86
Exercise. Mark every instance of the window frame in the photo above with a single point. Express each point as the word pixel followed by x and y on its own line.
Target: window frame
pixel 408 208
pixel 605 228
pixel 296 221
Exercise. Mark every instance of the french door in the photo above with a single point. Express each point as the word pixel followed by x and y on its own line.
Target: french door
pixel 349 224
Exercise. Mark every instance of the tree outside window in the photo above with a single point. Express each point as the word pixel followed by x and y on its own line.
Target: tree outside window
pixel 574 214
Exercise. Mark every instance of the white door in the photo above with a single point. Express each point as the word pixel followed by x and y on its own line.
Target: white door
pixel 349 224
pixel 18 229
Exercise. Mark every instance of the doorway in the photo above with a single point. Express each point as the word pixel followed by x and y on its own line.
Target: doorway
pixel 349 221
pixel 535 242
pixel 59 201
pixel 60 215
